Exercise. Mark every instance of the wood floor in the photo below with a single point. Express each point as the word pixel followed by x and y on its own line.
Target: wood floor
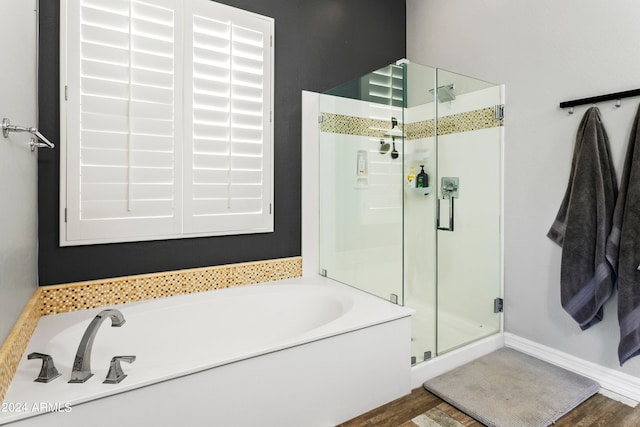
pixel 596 411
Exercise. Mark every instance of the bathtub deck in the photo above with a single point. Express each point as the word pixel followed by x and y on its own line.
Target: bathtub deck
pixel 328 367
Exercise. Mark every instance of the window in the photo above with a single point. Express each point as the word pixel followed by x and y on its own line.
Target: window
pixel 166 128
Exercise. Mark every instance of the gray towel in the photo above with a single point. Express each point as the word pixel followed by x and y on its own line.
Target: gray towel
pixel 625 235
pixel 583 224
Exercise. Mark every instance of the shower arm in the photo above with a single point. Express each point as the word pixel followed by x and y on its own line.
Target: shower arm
pixel 7 127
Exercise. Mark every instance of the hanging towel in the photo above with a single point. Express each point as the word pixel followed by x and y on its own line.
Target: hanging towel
pixel 625 235
pixel 583 224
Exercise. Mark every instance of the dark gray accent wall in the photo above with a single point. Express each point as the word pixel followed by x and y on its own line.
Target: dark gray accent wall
pixel 319 44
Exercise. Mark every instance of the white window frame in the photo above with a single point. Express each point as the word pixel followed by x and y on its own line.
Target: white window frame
pixel 187 218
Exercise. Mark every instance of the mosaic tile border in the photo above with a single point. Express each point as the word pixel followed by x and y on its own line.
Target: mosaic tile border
pixel 482 118
pixel 98 293
pixel 351 125
pixel 16 343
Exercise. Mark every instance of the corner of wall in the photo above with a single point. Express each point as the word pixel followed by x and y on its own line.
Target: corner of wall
pixel 615 384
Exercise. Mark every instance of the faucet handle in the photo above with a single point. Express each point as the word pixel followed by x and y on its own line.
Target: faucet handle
pixel 48 372
pixel 116 374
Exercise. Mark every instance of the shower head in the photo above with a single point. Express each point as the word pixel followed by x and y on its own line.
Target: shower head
pixel 445 93
pixel 384 146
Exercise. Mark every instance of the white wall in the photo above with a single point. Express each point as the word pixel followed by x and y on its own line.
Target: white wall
pixel 18 165
pixel 544 52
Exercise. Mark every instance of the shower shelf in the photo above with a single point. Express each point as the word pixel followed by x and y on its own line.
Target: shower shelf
pixel 418 191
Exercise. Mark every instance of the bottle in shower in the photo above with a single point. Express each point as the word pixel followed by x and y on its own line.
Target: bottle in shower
pixel 422 180
pixel 411 176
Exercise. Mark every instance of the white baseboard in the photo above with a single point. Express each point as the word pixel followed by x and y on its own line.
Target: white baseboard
pixel 439 365
pixel 614 384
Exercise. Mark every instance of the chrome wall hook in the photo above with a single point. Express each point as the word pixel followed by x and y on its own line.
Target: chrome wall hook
pixel 34 143
pixel 7 127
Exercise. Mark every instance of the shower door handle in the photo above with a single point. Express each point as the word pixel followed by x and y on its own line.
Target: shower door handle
pixel 449 189
pixel 450 227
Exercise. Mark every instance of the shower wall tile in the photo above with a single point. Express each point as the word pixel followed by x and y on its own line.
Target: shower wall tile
pixel 98 293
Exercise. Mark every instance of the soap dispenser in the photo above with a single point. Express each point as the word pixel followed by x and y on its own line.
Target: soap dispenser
pixel 422 180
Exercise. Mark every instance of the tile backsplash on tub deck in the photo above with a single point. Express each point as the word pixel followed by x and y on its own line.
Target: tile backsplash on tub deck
pixel 98 293
pixel 14 346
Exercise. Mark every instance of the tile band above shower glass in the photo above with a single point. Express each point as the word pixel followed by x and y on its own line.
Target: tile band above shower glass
pixel 468 121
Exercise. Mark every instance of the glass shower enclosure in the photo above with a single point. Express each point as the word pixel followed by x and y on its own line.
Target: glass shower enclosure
pixel 410 198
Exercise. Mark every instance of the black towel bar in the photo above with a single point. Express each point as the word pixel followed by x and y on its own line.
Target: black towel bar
pixel 600 98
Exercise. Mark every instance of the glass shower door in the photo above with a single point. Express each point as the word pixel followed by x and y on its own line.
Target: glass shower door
pixel 468 183
pixel 360 174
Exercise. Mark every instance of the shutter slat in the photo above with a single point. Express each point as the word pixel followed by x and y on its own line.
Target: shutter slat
pixel 106 54
pixel 210 146
pixel 211 131
pixel 104 88
pixel 152 78
pixel 247 163
pixel 157 46
pixel 152 94
pixel 112 174
pixel 114 19
pixel 151 61
pixel 119 209
pixel 219 207
pixel 203 161
pixel 247 135
pixel 105 36
pixel 210 86
pixel 246 176
pixel 104 122
pixel 248 149
pixel 118 192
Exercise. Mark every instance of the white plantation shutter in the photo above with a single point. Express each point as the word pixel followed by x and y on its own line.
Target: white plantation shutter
pixel 134 70
pixel 123 162
pixel 228 166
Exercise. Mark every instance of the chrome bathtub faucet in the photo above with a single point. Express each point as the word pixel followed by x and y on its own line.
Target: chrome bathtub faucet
pixel 82 363
pixel 116 374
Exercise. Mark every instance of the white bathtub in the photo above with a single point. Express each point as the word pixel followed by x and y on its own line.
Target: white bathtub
pixel 299 352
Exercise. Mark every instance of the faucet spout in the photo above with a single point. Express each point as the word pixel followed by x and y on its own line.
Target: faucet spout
pixel 82 363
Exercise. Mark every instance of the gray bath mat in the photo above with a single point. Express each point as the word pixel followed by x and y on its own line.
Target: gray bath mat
pixel 507 388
